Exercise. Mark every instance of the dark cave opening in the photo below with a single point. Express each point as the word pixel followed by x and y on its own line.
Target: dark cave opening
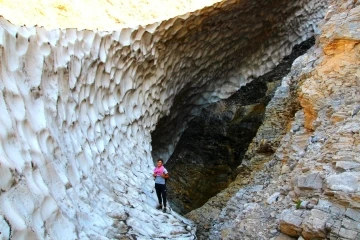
pixel 214 143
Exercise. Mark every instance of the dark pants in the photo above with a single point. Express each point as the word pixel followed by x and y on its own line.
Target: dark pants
pixel 161 193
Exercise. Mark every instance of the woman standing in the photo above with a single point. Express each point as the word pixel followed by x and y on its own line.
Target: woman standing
pixel 160 175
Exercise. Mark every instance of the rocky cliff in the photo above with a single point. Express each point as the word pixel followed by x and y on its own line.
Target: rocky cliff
pixel 78 107
pixel 309 188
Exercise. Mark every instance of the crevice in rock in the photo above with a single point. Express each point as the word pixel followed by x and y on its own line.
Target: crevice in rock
pixel 205 159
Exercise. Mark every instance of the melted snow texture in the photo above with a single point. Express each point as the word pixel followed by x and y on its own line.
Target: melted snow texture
pixel 77 108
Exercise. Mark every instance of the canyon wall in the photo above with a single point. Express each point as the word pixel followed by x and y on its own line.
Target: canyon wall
pixel 78 107
pixel 309 187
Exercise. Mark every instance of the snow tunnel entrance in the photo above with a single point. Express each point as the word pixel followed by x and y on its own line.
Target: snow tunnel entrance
pixel 214 143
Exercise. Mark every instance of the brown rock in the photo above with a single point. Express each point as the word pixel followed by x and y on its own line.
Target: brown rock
pixel 314 225
pixel 290 224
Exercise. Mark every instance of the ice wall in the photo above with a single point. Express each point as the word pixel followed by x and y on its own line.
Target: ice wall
pixel 76 111
pixel 77 108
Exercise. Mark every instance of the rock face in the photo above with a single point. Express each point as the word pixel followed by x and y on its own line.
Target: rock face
pixel 309 188
pixel 78 108
pixel 206 158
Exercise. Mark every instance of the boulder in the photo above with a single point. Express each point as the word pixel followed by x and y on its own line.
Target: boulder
pixel 314 225
pixel 290 224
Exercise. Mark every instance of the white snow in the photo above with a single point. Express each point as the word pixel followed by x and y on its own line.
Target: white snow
pixel 77 108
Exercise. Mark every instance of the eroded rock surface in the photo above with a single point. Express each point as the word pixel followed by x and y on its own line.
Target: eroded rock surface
pixel 309 188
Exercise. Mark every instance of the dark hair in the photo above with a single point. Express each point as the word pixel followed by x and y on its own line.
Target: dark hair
pixel 160 160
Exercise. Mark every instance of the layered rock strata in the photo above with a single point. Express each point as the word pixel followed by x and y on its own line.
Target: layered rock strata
pixel 78 106
pixel 308 189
